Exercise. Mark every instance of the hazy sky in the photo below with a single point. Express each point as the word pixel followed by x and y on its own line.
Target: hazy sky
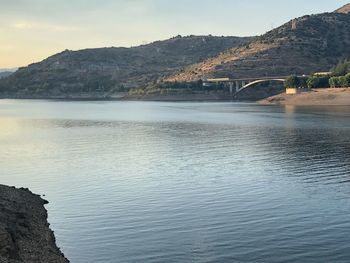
pixel 31 30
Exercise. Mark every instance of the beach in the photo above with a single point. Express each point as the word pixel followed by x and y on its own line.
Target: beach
pixel 314 97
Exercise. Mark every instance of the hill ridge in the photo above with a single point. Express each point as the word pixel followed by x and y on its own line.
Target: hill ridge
pixel 301 46
pixel 101 69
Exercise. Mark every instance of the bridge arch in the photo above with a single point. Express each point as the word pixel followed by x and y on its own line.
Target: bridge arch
pixel 250 84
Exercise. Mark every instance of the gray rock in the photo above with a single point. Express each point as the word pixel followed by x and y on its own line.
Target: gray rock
pixel 25 235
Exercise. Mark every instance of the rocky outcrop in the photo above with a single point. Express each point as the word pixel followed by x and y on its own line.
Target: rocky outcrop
pixel 344 10
pixel 25 235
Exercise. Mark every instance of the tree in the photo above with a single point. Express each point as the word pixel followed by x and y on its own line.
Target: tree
pixel 343 82
pixel 342 68
pixel 334 82
pixel 295 82
pixel 347 77
pixel 302 82
pixel 314 82
pixel 292 82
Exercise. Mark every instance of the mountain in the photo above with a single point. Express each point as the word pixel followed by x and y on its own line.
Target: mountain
pixel 5 74
pixel 301 46
pixel 115 68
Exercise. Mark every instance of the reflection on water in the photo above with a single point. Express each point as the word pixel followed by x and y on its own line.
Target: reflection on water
pixel 185 182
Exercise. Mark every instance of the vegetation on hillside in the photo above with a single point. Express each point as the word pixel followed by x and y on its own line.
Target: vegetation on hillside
pixel 301 46
pixel 316 81
pixel 341 81
pixel 115 69
pixel 342 68
pixel 169 88
pixel 339 77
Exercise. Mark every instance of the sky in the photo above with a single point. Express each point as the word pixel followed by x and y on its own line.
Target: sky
pixel 31 30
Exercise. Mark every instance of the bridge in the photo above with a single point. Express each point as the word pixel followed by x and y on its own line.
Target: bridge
pixel 237 85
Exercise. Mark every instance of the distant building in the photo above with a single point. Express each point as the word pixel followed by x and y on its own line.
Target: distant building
pixel 322 73
pixel 218 80
pixel 210 82
pixel 292 91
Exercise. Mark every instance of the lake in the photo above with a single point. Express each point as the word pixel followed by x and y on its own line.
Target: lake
pixel 184 182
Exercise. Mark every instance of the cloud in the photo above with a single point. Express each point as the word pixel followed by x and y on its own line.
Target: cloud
pixel 26 25
pixel 6 47
pixel 22 25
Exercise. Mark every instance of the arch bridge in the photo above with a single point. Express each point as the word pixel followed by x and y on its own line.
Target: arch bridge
pixel 237 85
pixel 249 84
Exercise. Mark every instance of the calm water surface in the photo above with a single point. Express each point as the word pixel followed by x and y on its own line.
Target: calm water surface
pixel 184 182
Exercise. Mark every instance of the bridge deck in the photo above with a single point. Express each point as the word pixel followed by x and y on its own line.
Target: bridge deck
pixel 247 79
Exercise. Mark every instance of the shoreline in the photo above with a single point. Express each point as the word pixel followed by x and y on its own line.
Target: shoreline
pixel 207 97
pixel 314 97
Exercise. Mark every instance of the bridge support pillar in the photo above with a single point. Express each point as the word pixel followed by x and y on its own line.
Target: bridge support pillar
pixel 231 87
pixel 237 85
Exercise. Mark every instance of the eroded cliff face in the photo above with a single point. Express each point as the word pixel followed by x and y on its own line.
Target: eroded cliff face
pixel 25 235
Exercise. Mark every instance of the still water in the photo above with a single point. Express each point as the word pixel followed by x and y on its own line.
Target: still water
pixel 184 182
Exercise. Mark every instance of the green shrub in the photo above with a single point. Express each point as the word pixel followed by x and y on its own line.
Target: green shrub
pixel 342 81
pixel 342 68
pixel 295 82
pixel 334 82
pixel 292 82
pixel 347 76
pixel 314 82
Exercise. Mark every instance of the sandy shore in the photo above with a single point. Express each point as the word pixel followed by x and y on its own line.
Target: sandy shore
pixel 330 96
pixel 326 97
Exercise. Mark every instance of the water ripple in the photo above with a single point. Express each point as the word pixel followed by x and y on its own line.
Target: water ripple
pixel 184 182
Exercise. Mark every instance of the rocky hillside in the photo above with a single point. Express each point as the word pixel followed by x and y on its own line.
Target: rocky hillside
pixel 301 46
pixel 25 235
pixel 344 10
pixel 115 68
pixel 5 74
